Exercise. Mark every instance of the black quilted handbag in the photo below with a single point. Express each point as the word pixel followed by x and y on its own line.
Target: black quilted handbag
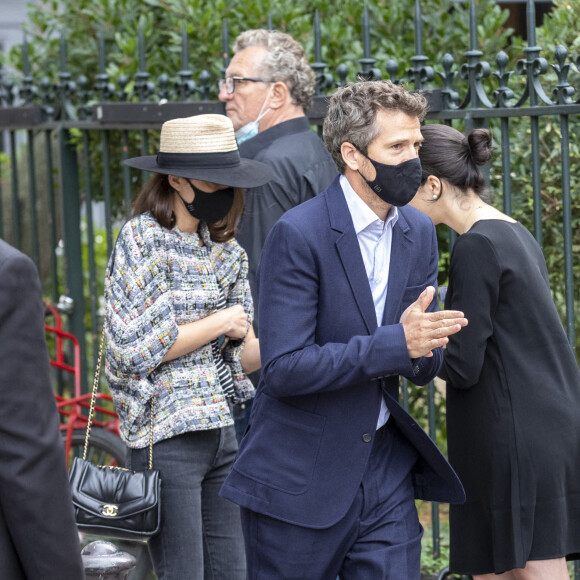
pixel 113 501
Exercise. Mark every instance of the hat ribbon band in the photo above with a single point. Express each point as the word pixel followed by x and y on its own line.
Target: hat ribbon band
pixel 201 160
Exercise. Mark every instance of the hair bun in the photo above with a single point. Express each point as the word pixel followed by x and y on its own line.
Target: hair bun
pixel 480 145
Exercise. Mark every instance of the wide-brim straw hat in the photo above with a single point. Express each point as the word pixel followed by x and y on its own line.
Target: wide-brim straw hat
pixel 203 147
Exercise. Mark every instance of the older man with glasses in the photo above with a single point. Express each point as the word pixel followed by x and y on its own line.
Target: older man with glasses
pixel 267 90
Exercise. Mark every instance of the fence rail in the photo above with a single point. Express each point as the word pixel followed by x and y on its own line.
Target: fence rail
pixel 63 140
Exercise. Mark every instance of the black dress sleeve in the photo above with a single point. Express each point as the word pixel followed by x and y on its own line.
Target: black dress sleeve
pixel 474 282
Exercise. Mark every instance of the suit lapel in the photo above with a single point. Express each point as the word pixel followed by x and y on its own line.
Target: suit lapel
pixel 399 270
pixel 349 251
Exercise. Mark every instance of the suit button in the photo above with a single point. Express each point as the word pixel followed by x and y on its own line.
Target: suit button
pixel 367 437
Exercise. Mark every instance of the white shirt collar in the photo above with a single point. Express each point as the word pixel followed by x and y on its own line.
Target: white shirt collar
pixel 362 215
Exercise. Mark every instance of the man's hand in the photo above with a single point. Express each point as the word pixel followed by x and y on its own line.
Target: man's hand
pixel 425 331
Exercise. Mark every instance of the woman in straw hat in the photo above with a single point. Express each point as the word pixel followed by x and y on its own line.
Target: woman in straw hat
pixel 179 339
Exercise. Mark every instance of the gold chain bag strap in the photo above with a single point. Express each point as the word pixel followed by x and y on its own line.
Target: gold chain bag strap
pixel 113 501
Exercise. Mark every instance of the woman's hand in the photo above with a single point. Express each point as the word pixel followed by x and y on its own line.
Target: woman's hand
pixel 235 321
pixel 251 360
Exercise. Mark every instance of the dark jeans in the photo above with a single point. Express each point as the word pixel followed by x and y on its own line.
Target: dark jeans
pixel 200 536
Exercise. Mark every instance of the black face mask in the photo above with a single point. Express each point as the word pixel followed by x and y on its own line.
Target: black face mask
pixel 209 207
pixel 395 184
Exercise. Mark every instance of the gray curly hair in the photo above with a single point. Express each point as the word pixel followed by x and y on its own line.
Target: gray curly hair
pixel 352 113
pixel 285 60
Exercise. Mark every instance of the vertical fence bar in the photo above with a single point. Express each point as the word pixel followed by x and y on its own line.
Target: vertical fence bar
pixel 143 88
pixel 506 166
pixel 16 231
pixel 532 51
pixel 107 190
pixel 69 178
pixel 564 95
pixel 435 529
pixel 33 198
pixel 126 174
pixel 52 217
pixel 567 226
pixel 145 151
pixel 93 293
pixel 225 48
pixel 503 96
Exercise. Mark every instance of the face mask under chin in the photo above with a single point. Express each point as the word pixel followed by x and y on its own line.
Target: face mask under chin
pixel 248 131
pixel 251 129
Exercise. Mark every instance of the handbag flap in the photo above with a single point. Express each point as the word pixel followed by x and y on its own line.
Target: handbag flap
pixel 111 491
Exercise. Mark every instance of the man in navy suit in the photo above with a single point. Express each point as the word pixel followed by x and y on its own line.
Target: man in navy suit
pixel 329 468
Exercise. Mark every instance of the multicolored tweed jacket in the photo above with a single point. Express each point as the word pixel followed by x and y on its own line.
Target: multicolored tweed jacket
pixel 159 279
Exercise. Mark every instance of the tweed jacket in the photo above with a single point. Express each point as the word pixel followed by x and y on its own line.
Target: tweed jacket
pixel 158 279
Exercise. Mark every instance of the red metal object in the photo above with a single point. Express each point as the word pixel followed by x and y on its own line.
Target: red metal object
pixel 71 408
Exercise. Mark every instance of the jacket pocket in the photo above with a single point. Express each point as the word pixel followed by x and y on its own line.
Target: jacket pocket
pixel 281 448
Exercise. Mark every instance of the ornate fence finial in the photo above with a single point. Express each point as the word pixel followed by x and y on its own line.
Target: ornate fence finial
pixel 475 70
pixel 28 90
pixel 66 87
pixel 342 73
pixel 367 72
pixel 84 93
pixel 503 94
pixel 563 91
pixel 449 95
pixel 104 89
pixel 185 87
pixel 323 80
pixel 122 82
pixel 419 74
pixel 392 68
pixel 143 87
pixel 6 89
pixel 533 65
pixel 203 87
pixel 47 97
pixel 164 88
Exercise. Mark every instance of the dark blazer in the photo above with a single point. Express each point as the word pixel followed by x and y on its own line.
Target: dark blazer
pixel 325 365
pixel 38 536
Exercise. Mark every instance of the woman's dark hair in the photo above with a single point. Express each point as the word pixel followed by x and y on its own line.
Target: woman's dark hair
pixel 448 154
pixel 157 196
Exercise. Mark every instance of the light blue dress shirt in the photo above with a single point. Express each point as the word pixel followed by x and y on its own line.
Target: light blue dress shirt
pixel 375 238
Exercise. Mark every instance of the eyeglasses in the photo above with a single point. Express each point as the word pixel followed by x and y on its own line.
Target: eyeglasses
pixel 230 82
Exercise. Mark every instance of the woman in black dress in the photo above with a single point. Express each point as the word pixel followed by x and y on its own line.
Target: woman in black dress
pixel 513 383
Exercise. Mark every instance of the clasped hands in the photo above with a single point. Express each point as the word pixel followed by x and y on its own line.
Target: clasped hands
pixel 424 330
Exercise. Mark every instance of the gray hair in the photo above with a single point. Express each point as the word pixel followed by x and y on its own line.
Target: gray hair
pixel 285 60
pixel 352 114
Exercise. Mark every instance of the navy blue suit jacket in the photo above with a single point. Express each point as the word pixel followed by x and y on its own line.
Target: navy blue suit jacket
pixel 326 364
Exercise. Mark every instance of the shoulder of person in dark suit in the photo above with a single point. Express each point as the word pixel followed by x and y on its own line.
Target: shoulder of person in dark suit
pixel 38 535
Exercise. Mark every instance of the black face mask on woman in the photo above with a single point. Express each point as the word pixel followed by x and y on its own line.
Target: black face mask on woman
pixel 395 184
pixel 209 207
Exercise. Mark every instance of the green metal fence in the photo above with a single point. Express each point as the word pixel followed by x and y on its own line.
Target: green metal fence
pixel 63 141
